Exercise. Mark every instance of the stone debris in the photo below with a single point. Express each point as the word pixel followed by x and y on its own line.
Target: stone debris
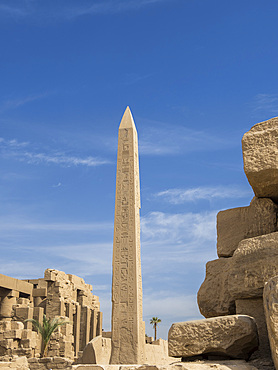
pixel 97 351
pixel 247 240
pixel 57 363
pixel 233 336
pixel 260 157
pixel 241 276
pixel 14 362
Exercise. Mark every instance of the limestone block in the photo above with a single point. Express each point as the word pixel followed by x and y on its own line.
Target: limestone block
pixel 241 276
pixel 260 156
pixel 97 351
pixel 270 296
pixel 234 225
pixel 233 336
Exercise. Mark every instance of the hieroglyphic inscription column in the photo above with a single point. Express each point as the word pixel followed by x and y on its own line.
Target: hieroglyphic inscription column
pixel 128 328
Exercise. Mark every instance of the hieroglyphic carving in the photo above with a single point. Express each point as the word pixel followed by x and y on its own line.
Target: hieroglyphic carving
pixel 128 330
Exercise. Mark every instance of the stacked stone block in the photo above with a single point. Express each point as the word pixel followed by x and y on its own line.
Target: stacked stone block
pixel 57 295
pixel 247 238
pixel 68 296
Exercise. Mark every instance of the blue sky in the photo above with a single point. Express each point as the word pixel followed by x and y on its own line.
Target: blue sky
pixel 197 74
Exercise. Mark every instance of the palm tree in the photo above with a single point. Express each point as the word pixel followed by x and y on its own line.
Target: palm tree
pixel 154 321
pixel 47 328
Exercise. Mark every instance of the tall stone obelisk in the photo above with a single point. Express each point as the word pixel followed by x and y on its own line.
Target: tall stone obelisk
pixel 128 328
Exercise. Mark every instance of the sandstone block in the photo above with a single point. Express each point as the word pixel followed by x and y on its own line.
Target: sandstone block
pixel 254 262
pixel 233 336
pixel 28 343
pixel 254 307
pixel 260 156
pixel 27 334
pixel 241 276
pixel 13 334
pixel 18 325
pixel 213 296
pixel 271 313
pixel 234 225
pixel 97 351
pixel 5 325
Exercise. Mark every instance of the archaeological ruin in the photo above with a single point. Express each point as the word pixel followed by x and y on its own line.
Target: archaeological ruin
pixel 240 287
pixel 238 298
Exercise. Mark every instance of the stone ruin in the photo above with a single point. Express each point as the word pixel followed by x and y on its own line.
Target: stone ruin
pixel 67 296
pixel 239 296
pixel 57 295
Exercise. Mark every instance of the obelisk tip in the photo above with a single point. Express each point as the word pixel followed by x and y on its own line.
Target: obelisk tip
pixel 127 120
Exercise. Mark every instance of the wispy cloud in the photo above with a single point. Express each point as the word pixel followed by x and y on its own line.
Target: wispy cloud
pixel 69 10
pixel 72 227
pixel 160 138
pixel 266 103
pixel 13 11
pixel 22 152
pixel 179 196
pixel 178 244
pixel 62 159
pixel 17 102
pixel 116 6
pixel 178 229
pixel 180 239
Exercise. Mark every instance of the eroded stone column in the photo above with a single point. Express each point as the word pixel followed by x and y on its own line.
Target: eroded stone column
pixel 128 329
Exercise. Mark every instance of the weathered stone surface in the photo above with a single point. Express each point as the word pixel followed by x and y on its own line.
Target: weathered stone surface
pixel 193 365
pixel 128 329
pixel 271 313
pixel 234 225
pixel 254 262
pixel 234 336
pixel 97 351
pixel 52 363
pixel 16 363
pixel 241 276
pixel 157 353
pixel 260 156
pixel 213 296
pixel 254 307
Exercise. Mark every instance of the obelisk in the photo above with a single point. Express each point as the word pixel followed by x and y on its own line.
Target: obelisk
pixel 128 328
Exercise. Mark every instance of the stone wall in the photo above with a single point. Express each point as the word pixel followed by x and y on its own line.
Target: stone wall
pixel 56 295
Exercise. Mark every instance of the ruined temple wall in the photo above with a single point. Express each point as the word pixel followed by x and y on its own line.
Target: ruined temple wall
pixel 56 295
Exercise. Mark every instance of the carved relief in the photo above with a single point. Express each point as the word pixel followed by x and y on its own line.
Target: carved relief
pixel 127 285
